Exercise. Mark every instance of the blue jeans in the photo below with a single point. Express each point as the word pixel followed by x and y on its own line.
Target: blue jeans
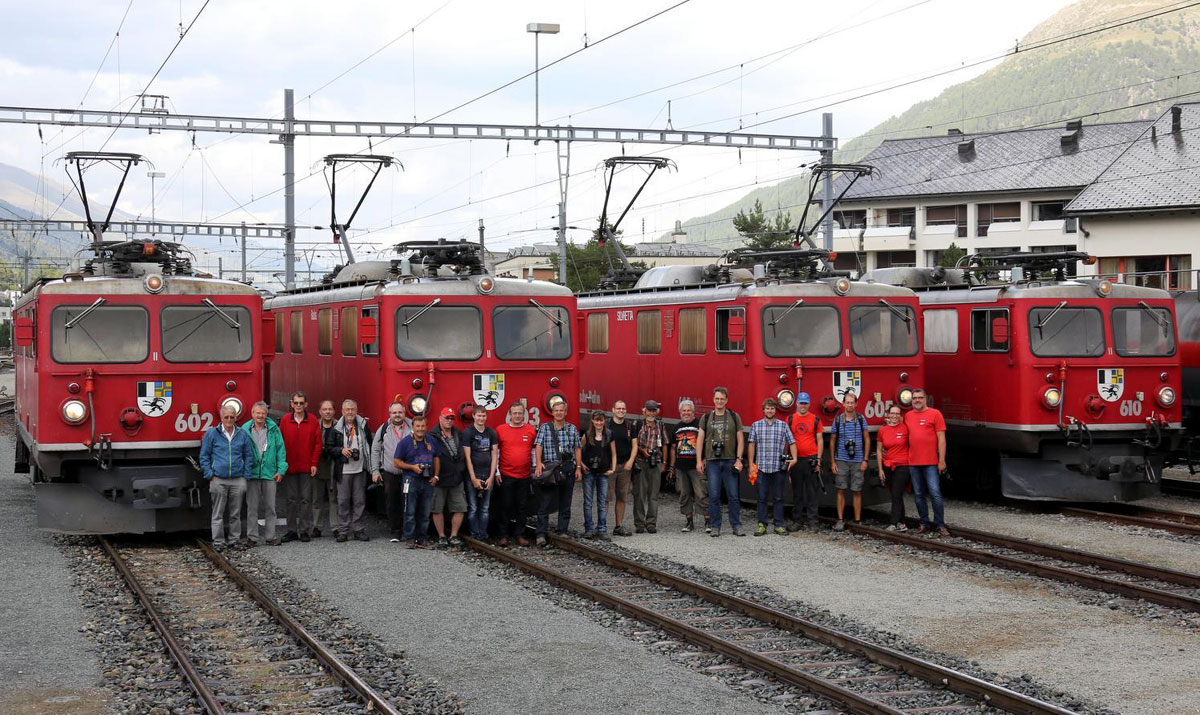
pixel 418 502
pixel 478 504
pixel 555 498
pixel 925 479
pixel 595 491
pixel 720 475
pixel 771 486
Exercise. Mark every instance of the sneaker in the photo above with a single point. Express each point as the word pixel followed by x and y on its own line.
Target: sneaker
pixel 781 531
pixel 640 529
pixel 707 527
pixel 455 541
pixel 251 543
pixel 651 529
pixel 393 540
pixel 411 544
pixel 840 525
pixel 522 541
pixel 714 533
pixel 290 536
pixel 738 532
pixel 688 526
pixel 794 526
pixel 361 536
pixel 443 542
pixel 943 531
pixel 541 541
pixel 274 542
pixel 503 541
pixel 603 537
pixel 892 527
pixel 901 527
pixel 922 529
pixel 341 538
pixel 305 537
pixel 761 529
pixel 589 534
pixel 621 531
pixel 422 545
pixel 316 533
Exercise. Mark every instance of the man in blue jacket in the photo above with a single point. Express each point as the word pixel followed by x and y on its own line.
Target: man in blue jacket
pixel 226 458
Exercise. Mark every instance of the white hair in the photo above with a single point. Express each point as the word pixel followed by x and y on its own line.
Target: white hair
pixel 688 403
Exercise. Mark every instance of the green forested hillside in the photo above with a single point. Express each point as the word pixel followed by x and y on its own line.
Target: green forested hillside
pixel 1128 72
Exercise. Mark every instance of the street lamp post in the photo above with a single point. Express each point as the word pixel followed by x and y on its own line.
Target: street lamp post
pixel 153 175
pixel 538 29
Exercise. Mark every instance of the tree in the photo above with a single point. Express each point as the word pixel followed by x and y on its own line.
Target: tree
pixel 587 265
pixel 951 255
pixel 762 234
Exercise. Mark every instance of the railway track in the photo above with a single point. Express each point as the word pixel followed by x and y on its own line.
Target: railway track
pixel 235 647
pixel 857 675
pixel 1182 487
pixel 1167 587
pixel 1175 522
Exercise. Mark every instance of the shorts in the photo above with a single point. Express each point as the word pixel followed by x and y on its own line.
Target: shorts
pixel 850 476
pixel 620 482
pixel 454 497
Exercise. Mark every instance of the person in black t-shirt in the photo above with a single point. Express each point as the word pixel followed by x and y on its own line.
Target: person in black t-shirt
pixel 624 436
pixel 599 462
pixel 693 486
pixel 479 443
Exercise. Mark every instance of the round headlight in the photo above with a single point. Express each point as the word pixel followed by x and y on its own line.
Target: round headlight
pixel 74 411
pixel 233 402
pixel 1104 289
pixel 842 286
pixel 554 400
pixel 785 399
pixel 904 396
pixel 1166 395
pixel 417 405
pixel 1051 397
pixel 153 283
pixel 486 285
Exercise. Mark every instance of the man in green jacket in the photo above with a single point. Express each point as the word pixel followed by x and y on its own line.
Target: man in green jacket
pixel 270 464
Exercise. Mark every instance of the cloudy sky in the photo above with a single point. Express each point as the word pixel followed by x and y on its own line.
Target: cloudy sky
pixel 773 66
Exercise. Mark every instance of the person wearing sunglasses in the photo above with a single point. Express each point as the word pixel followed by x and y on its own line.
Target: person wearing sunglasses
pixel 892 462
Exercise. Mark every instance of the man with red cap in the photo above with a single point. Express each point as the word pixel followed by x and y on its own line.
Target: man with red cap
pixel 449 493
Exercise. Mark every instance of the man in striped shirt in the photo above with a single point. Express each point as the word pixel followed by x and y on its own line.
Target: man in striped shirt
pixel 772 452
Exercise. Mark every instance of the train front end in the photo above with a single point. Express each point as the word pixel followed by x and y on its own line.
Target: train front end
pixel 119 375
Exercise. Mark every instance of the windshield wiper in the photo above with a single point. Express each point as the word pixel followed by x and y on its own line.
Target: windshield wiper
pixel 783 315
pixel 224 316
pixel 899 313
pixel 1042 323
pixel 1162 322
pixel 86 312
pixel 557 320
pixel 421 312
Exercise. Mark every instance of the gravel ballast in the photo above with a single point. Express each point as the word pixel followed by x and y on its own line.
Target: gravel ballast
pixel 46 665
pixel 1007 623
pixel 501 647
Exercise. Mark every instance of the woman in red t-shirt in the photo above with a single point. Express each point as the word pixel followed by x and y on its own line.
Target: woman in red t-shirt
pixel 892 460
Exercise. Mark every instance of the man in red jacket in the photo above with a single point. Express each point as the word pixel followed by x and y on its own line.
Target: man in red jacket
pixel 302 440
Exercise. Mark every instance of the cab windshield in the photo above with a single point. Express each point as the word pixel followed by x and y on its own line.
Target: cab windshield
pixel 206 333
pixel 797 330
pixel 99 333
pixel 531 332
pixel 438 332
pixel 1143 332
pixel 1058 331
pixel 886 329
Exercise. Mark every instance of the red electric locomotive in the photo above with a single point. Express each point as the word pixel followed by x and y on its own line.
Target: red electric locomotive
pixel 765 325
pixel 430 329
pixel 1060 388
pixel 120 369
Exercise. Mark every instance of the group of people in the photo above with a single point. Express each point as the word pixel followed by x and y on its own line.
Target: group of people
pixel 428 472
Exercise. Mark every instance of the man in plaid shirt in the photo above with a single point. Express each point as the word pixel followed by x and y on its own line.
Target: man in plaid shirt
pixel 772 453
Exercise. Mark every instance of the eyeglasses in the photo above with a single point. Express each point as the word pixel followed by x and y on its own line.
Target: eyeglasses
pixel 299 402
pixel 230 418
pixel 894 414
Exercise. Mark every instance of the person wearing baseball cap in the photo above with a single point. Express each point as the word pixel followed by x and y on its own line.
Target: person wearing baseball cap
pixel 647 475
pixel 806 473
pixel 448 492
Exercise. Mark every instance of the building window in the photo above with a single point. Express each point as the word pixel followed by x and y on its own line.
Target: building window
pixel 693 338
pixel 731 330
pixel 349 328
pixel 988 214
pixel 941 331
pixel 906 216
pixel 990 330
pixel 1048 210
pixel 297 339
pixel 597 333
pixel 895 259
pixel 372 348
pixel 948 216
pixel 649 332
pixel 1163 272
pixel 856 262
pixel 850 219
pixel 325 331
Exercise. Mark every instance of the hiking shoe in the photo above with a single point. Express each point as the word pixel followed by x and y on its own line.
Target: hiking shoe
pixel 589 534
pixel 361 536
pixel 290 536
pixel 443 542
pixel 781 531
pixel 541 541
pixel 305 537
pixel 274 542
pixel 714 533
pixel 341 538
pixel 603 537
pixel 316 533
pixel 621 531
pixel 688 526
pixel 943 531
pixel 251 543
pixel 794 526
pixel 738 532
pixel 640 529
pixel 761 529
pixel 455 540
pixel 840 525
pixel 651 529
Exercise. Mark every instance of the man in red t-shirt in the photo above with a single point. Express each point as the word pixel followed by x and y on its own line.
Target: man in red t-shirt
pixel 927 460
pixel 806 473
pixel 302 439
pixel 515 438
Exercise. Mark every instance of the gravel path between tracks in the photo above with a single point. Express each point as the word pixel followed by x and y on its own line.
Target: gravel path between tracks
pixel 46 665
pixel 501 648
pixel 1151 546
pixel 1025 628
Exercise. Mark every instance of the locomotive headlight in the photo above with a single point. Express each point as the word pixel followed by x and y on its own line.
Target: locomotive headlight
pixel 485 285
pixel 153 284
pixel 1166 395
pixel 785 399
pixel 74 412
pixel 1051 397
pixel 1104 289
pixel 554 400
pixel 233 402
pixel 842 286
pixel 904 396
pixel 417 404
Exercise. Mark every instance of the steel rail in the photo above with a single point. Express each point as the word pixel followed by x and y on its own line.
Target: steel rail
pixel 1184 487
pixel 993 695
pixel 196 681
pixel 1188 524
pixel 327 658
pixel 1058 573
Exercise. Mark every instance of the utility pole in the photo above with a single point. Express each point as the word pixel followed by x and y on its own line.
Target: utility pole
pixel 827 193
pixel 564 174
pixel 288 139
pixel 243 251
